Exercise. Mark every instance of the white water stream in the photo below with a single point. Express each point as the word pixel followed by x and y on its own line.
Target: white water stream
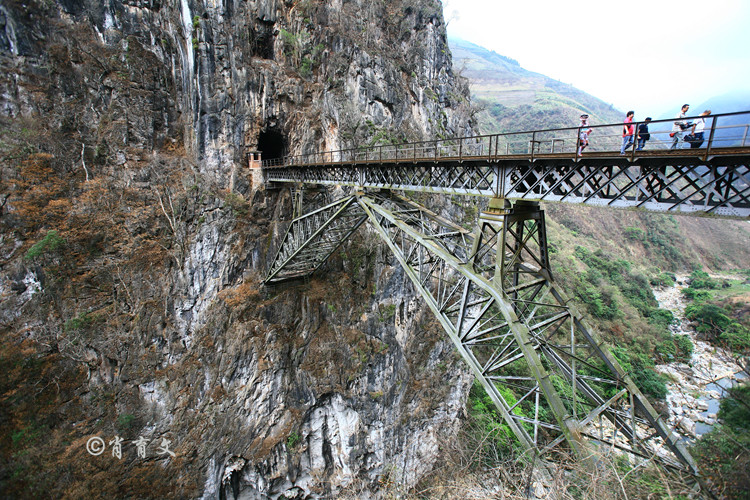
pixel 695 390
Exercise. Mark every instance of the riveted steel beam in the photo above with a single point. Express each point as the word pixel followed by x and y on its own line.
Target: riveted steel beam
pixel 312 238
pixel 553 381
pixel 718 186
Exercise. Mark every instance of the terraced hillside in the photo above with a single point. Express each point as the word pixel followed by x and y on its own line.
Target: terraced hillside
pixel 515 99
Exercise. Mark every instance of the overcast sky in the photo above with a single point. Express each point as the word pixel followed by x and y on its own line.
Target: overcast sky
pixel 651 56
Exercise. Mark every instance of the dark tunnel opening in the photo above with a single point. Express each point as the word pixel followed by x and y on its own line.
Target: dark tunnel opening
pixel 271 144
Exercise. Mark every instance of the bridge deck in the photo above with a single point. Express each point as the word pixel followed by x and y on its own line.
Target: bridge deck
pixel 544 165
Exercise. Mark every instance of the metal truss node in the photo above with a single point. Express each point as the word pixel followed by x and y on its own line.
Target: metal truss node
pixel 549 376
pixel 312 238
pixel 492 290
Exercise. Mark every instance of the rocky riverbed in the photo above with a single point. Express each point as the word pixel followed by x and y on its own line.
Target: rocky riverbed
pixel 695 387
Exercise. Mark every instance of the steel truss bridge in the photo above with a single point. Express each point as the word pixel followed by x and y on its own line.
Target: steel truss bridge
pixel 491 288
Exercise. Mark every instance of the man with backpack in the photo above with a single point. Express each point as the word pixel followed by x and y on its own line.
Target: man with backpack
pixel 679 125
pixel 643 134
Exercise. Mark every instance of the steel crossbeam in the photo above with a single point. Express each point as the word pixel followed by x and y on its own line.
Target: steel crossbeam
pixel 496 301
pixel 492 291
pixel 310 239
pixel 719 185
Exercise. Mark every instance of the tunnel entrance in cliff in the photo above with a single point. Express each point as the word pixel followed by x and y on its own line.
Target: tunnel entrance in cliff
pixel 272 144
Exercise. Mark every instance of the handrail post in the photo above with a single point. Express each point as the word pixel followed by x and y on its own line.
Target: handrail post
pixel 711 137
pixel 460 149
pixel 533 144
pixel 414 159
pixel 437 145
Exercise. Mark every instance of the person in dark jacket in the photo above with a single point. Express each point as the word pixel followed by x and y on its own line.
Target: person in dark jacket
pixel 643 134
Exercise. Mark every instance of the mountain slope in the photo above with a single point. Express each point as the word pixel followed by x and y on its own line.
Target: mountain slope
pixel 725 103
pixel 517 99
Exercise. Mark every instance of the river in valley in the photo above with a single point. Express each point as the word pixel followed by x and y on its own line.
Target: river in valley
pixel 695 388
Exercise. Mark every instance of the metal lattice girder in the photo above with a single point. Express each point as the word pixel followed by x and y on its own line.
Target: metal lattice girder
pixel 719 187
pixel 312 238
pixel 493 294
pixel 681 183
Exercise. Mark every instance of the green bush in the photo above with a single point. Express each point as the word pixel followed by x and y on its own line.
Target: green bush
pixel 685 346
pixel 305 67
pixel 660 317
pixel 640 368
pixel 125 421
pixel 51 242
pixel 737 337
pixel 734 409
pixel 696 295
pixel 81 322
pixel 293 440
pixel 700 280
pixel 636 290
pixel 663 279
pixel 635 234
pixel 675 348
pixel 722 454
pixel 716 323
pixel 495 433
pixel 237 204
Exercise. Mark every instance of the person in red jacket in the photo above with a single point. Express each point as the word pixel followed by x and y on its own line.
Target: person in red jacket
pixel 628 129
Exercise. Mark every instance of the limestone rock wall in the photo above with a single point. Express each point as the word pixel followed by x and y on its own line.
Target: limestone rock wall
pixel 131 275
pixel 322 74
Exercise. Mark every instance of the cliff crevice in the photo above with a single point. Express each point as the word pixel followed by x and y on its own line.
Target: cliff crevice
pixel 134 242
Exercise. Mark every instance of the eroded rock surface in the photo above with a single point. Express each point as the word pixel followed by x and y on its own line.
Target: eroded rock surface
pixel 141 312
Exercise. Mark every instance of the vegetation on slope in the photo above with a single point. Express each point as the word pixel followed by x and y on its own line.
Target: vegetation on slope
pixel 515 99
pixel 720 311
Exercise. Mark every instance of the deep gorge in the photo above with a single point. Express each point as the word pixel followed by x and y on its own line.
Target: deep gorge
pixel 124 127
pixel 134 240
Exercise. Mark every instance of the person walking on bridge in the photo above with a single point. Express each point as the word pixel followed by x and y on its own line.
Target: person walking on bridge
pixel 583 136
pixel 697 132
pixel 643 134
pixel 628 129
pixel 679 125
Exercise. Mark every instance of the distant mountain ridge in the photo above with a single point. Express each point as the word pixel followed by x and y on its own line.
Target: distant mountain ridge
pixel 725 103
pixel 516 99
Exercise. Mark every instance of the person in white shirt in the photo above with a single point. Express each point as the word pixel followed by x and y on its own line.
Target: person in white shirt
pixel 679 126
pixel 698 126
pixel 583 137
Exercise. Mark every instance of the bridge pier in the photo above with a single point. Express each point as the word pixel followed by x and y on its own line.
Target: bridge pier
pixel 553 381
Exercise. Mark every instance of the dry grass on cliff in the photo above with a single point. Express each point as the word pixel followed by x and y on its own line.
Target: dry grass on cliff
pixel 474 465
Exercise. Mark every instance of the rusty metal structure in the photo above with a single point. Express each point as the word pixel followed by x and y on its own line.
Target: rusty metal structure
pixel 491 288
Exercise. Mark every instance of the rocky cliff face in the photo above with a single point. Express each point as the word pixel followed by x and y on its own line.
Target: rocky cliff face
pixel 133 244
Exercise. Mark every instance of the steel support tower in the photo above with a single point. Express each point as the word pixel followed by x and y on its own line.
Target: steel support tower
pixel 551 378
pixel 493 293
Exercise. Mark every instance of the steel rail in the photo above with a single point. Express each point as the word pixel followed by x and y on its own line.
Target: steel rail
pixel 480 147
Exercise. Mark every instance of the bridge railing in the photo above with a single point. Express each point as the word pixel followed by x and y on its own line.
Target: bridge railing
pixel 725 130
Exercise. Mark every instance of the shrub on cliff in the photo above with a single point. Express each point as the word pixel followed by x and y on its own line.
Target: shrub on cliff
pixel 718 326
pixel 724 453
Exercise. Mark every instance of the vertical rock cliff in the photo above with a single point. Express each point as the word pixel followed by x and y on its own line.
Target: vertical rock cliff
pixel 133 243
